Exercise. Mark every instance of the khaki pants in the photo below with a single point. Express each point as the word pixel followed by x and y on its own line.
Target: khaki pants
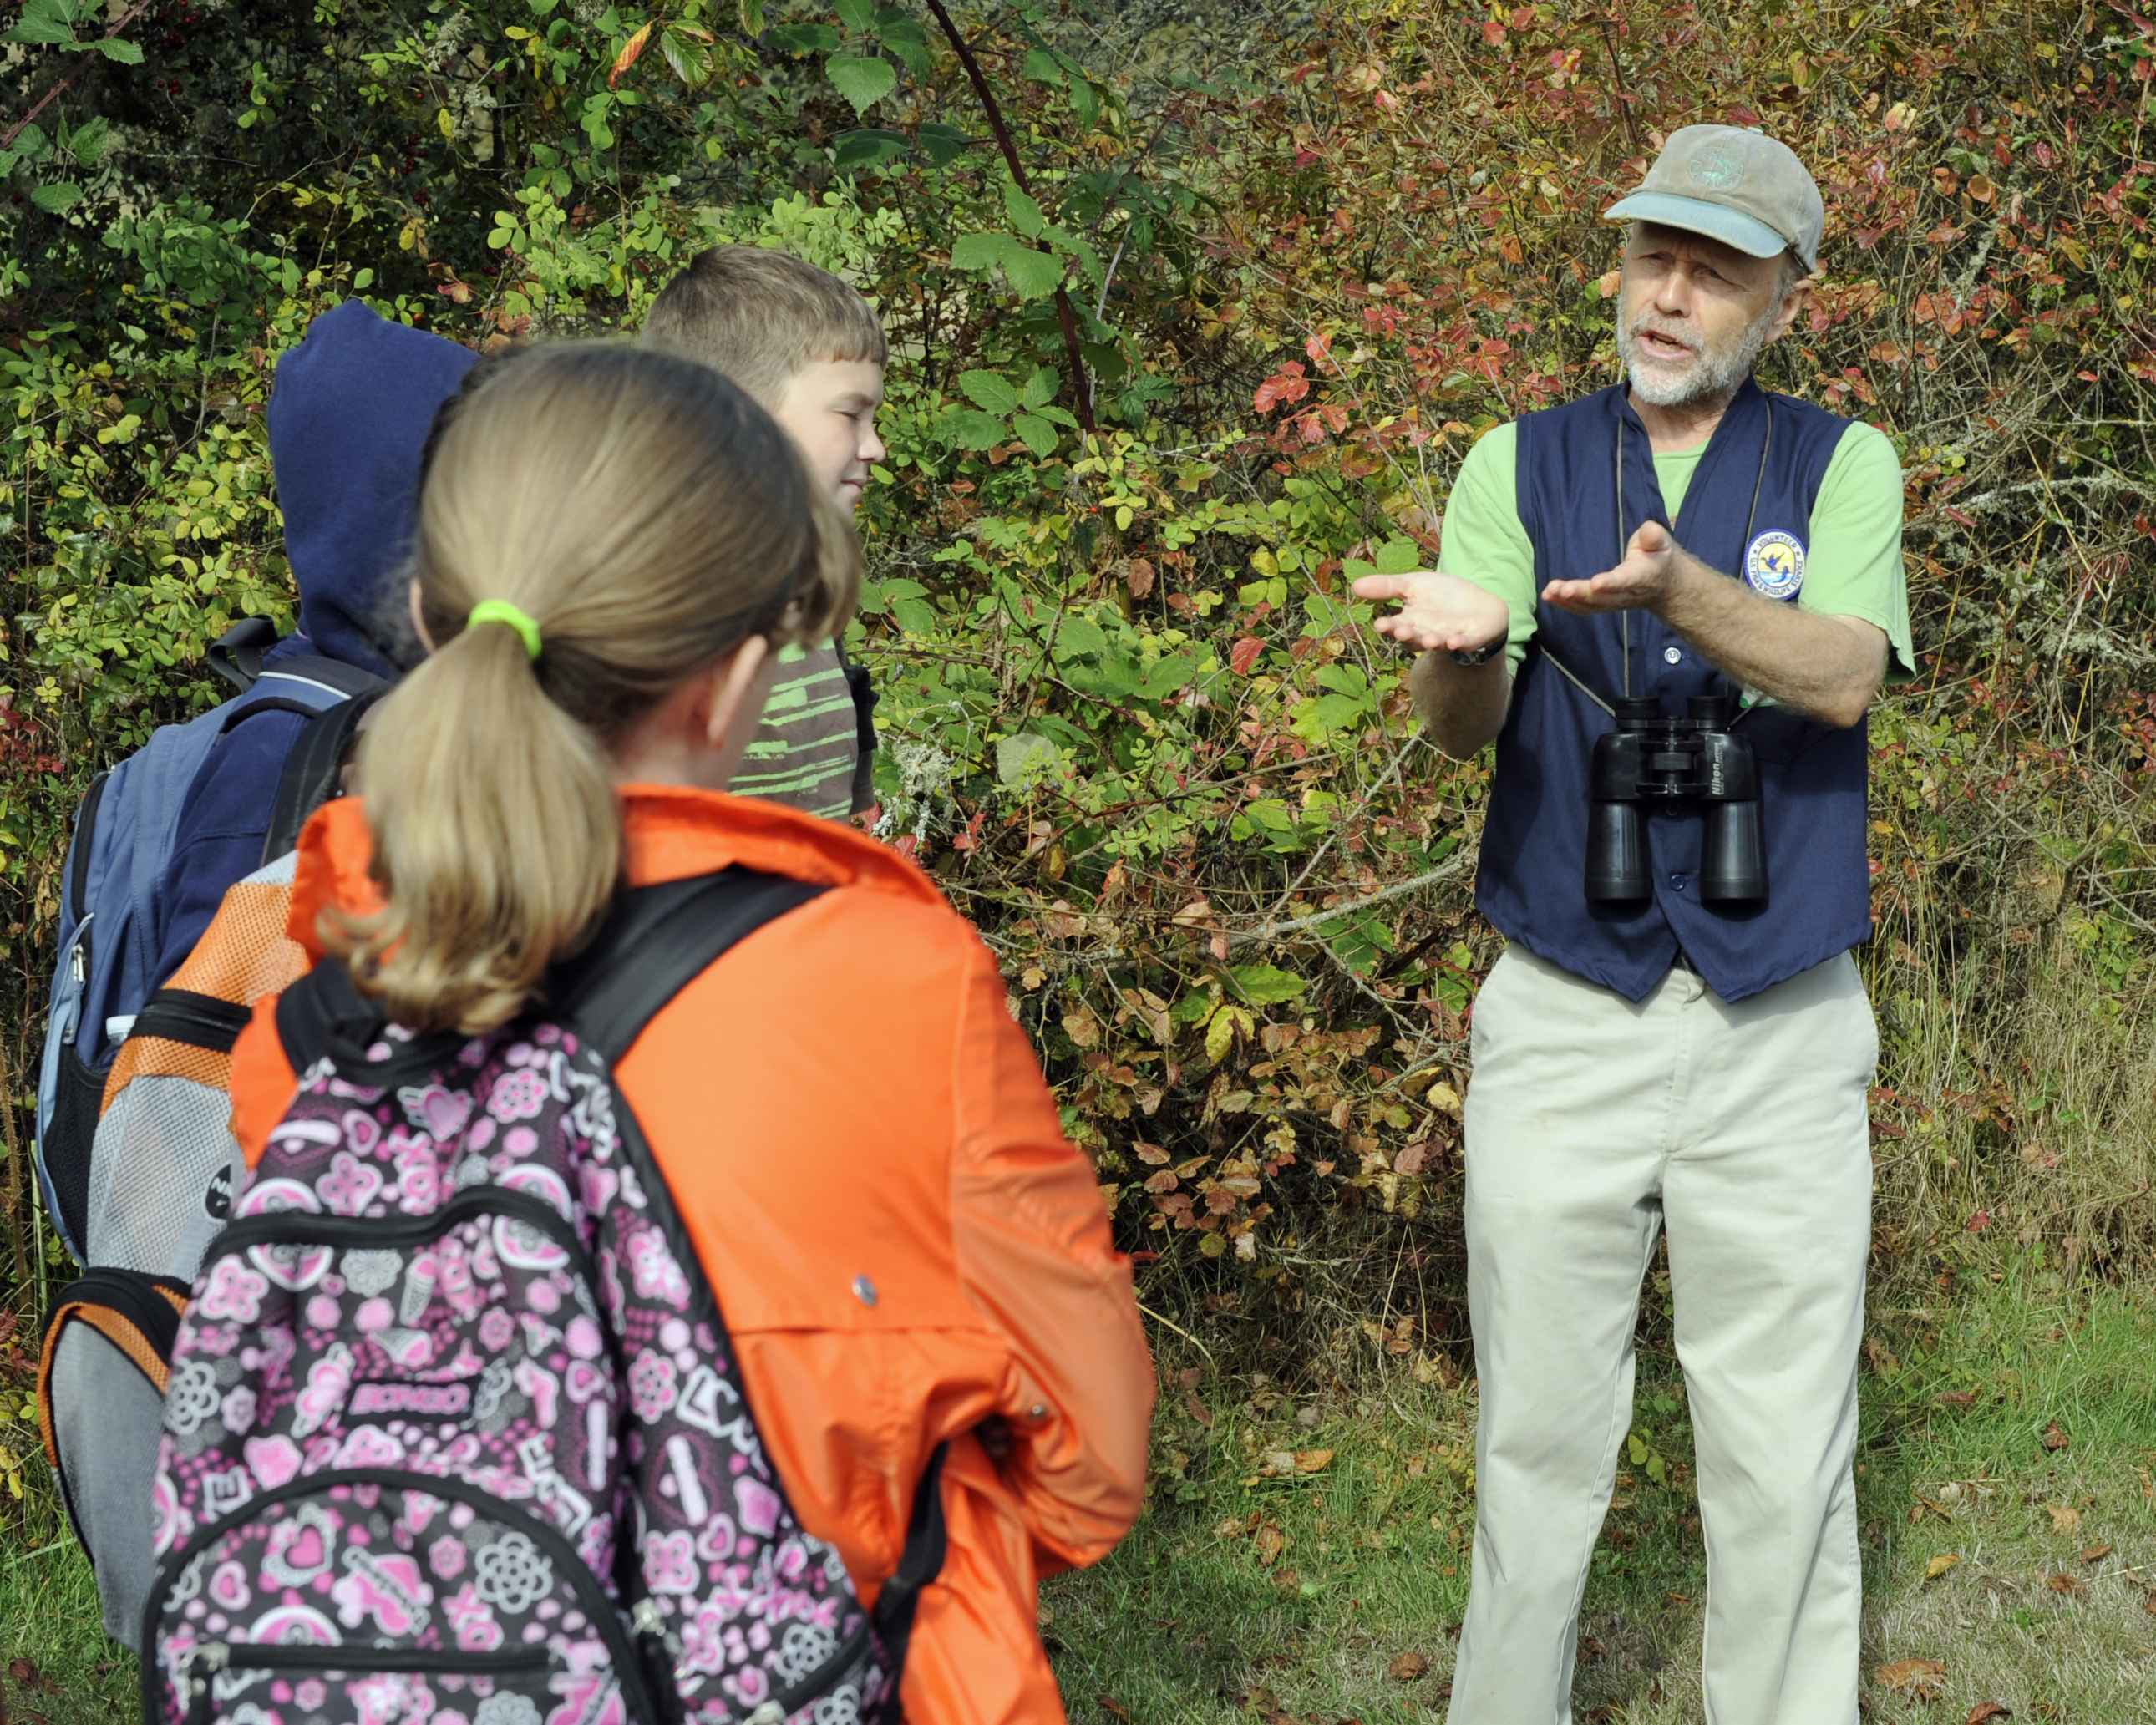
pixel 1592 1123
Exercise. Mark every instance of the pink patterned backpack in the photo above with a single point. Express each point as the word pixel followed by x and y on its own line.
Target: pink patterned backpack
pixel 453 1434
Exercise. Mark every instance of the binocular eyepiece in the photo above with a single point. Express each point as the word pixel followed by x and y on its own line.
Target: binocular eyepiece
pixel 1653 761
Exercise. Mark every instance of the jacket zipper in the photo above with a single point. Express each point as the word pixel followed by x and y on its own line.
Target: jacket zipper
pixel 385 1233
pixel 601 1612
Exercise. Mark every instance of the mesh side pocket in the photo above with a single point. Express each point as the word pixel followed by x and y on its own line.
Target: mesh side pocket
pixel 164 1172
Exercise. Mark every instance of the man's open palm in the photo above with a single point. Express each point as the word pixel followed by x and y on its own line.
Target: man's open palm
pixel 1638 583
pixel 1438 612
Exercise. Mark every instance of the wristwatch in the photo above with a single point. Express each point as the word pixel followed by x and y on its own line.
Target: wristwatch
pixel 1478 656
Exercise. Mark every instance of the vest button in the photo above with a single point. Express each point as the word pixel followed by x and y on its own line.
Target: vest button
pixel 1677 881
pixel 1672 656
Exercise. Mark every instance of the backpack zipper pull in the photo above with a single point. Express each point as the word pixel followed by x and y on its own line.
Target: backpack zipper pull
pixel 646 1619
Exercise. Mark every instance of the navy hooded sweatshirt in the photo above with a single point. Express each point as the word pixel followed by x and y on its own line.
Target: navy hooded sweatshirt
pixel 348 415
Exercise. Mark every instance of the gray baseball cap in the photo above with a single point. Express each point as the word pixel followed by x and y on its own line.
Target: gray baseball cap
pixel 1735 184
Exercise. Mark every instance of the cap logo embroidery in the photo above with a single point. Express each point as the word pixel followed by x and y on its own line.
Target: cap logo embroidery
pixel 1716 169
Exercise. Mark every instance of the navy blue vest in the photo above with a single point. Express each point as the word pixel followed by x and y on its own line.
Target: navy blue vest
pixel 1532 881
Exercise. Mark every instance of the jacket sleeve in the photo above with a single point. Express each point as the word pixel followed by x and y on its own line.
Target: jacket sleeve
pixel 261 1081
pixel 1034 1256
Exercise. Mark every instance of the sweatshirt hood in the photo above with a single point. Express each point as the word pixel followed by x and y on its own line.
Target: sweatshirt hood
pixel 348 416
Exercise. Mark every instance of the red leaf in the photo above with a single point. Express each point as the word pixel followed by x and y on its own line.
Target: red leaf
pixel 1493 32
pixel 1287 384
pixel 1243 654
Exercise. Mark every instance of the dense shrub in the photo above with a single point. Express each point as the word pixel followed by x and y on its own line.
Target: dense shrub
pixel 1190 321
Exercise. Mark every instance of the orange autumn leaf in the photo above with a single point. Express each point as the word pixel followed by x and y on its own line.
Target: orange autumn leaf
pixel 630 50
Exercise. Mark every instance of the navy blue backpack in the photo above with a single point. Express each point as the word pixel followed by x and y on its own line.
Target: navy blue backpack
pixel 110 926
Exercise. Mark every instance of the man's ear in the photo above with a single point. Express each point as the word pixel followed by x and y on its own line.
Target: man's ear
pixel 1793 306
pixel 735 691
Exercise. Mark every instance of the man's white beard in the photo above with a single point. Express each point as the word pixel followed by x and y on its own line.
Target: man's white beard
pixel 1710 376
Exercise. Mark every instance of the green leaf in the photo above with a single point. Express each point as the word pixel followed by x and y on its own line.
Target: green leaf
pixel 1022 758
pixel 907 40
pixel 126 53
pixel 690 60
pixel 752 17
pixel 1266 984
pixel 1399 556
pixel 1040 387
pixel 1037 434
pixel 57 196
pixel 1085 100
pixel 542 6
pixel 1039 65
pixel 865 147
pixel 942 143
pixel 1024 213
pixel 863 79
pixel 1191 1008
pixel 857 14
pixel 804 39
pixel 975 430
pixel 1033 276
pixel 988 390
pixel 90 142
pixel 361 281
pixel 41 23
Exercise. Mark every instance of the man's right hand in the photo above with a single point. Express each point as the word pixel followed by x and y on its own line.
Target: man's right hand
pixel 1438 612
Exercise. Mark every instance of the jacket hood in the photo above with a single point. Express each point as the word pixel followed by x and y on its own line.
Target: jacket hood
pixel 348 416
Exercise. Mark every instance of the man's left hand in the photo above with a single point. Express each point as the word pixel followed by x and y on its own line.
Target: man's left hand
pixel 1641 582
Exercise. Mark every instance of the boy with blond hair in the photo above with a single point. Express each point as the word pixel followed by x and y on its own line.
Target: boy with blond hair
pixel 810 350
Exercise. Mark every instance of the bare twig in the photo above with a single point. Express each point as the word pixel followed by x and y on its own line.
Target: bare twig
pixel 1272 930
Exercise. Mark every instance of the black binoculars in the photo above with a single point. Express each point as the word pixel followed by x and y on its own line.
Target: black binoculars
pixel 1652 760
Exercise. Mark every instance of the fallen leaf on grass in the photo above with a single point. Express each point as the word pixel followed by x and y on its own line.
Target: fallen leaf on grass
pixel 2095 1555
pixel 1271 1543
pixel 1313 1460
pixel 1108 1705
pixel 1407 1667
pixel 2055 1439
pixel 2064 1517
pixel 2071 1585
pixel 1921 1678
pixel 1984 1712
pixel 1940 1565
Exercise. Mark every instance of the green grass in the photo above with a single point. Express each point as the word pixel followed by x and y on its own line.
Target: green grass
pixel 1250 1592
pixel 1203 1617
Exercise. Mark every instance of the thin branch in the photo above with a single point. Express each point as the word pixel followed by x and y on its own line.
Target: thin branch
pixel 1081 384
pixel 1270 931
pixel 52 95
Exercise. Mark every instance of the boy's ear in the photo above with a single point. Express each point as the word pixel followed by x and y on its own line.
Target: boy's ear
pixel 418 617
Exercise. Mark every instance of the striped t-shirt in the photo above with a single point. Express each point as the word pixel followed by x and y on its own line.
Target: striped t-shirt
pixel 805 752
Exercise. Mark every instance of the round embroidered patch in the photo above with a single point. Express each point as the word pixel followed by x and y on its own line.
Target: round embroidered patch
pixel 1775 564
pixel 1717 169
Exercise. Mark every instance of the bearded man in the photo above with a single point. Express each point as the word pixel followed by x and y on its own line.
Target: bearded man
pixel 1666 1042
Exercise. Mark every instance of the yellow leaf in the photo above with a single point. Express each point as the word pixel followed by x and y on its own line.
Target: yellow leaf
pixel 1313 1460
pixel 1800 71
pixel 1940 1565
pixel 1220 1035
pixel 443 120
pixel 2064 1518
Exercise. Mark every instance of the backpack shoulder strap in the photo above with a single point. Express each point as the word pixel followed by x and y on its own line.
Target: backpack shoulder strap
pixel 324 677
pixel 236 655
pixel 312 771
pixel 657 940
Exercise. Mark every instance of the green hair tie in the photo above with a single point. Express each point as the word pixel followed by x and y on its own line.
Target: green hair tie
pixel 502 611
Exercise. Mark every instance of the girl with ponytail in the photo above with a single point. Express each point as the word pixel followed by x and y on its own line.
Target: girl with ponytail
pixel 910 1257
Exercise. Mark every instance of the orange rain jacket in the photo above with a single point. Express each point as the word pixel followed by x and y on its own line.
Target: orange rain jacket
pixel 845 1095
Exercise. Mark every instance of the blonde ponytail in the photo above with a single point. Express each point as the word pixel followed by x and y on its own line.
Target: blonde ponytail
pixel 649 517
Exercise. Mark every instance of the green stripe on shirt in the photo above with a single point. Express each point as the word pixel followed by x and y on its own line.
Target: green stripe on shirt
pixel 806 748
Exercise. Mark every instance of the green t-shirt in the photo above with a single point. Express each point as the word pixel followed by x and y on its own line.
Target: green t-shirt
pixel 1852 565
pixel 805 750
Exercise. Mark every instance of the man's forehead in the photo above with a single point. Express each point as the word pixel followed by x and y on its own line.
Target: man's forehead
pixel 1646 234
